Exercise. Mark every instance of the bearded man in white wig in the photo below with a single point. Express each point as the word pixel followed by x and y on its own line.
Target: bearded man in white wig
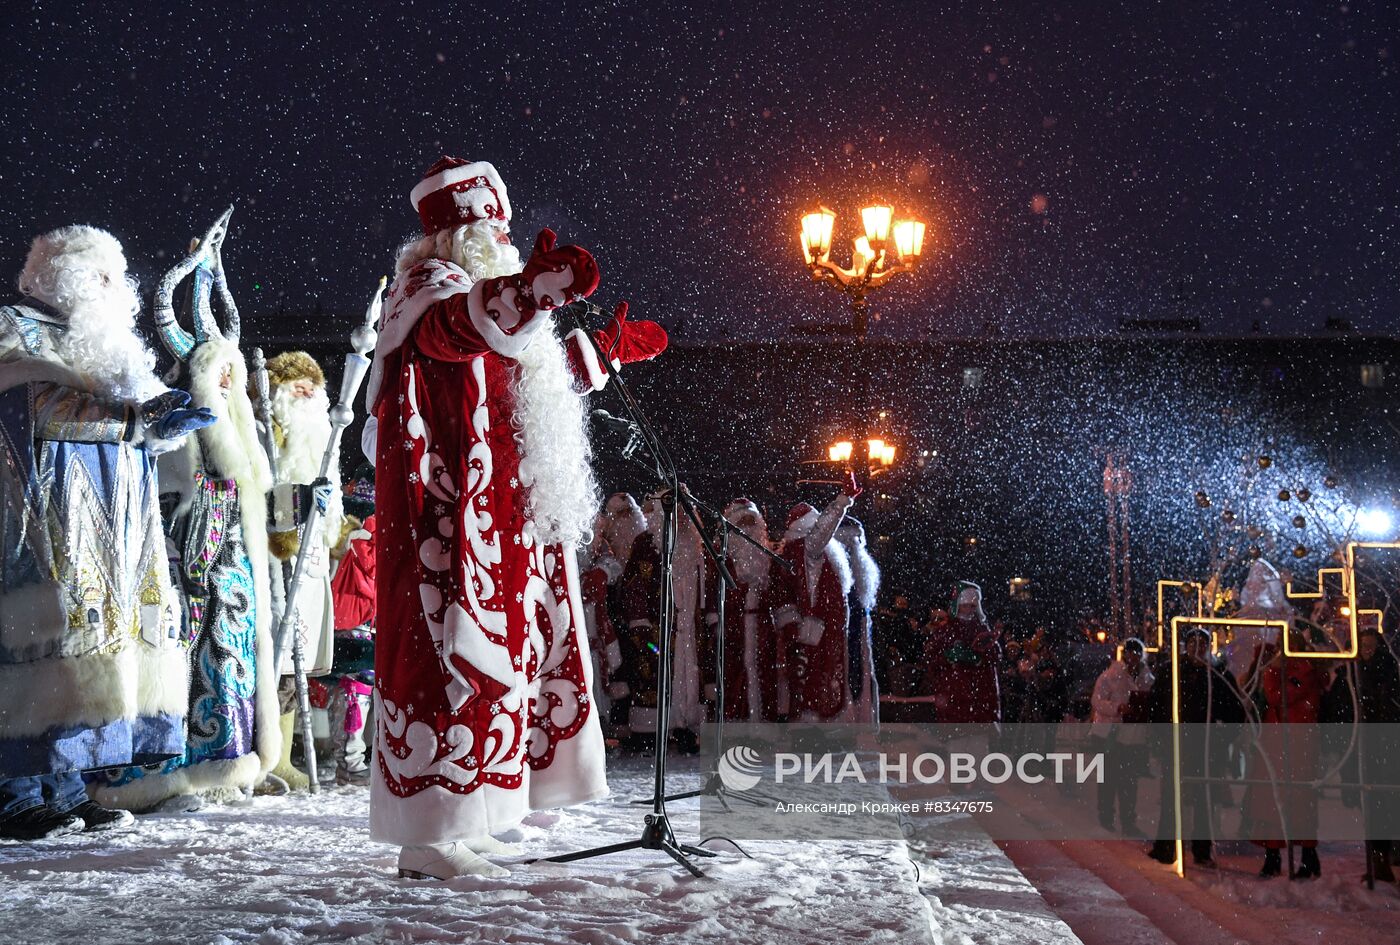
pixel 860 604
pixel 753 661
pixel 483 489
pixel 1262 598
pixel 812 617
pixel 92 662
pixel 214 490
pixel 301 428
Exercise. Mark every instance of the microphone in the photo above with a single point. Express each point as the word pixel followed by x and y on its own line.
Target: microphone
pixel 615 423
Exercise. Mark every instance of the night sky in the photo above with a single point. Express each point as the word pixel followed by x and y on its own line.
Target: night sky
pixel 1078 163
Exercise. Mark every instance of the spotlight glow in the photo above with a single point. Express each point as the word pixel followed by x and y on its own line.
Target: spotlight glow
pixel 1375 523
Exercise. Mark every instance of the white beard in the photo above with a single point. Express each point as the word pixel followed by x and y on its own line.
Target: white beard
pixel 306 422
pixel 101 343
pixel 750 565
pixel 865 573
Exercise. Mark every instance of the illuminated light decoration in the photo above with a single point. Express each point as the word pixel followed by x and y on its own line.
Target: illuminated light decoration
pixel 1228 516
pixel 1300 551
pixel 887 455
pixel 1349 584
pixel 1298 520
pixel 1284 495
pixel 909 240
pixel 817 227
pixel 1161 611
pixel 875 446
pixel 1320 592
pixel 1177 624
pixel 841 451
pixel 1304 495
pixel 1202 500
pixel 1265 462
pixel 1101 635
pixel 877 219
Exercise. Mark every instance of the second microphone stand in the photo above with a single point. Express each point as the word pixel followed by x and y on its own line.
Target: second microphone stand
pixel 714 784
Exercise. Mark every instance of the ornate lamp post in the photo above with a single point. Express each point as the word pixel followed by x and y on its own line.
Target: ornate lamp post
pixel 879 455
pixel 871 265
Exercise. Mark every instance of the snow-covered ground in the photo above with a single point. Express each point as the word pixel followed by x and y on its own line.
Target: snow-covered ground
pixel 301 869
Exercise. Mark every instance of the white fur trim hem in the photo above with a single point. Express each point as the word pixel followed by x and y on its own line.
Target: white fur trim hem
pixel 92 691
pixel 147 792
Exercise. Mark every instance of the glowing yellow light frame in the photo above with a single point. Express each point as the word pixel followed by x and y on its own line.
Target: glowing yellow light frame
pixel 1348 575
pixel 1161 612
pixel 1349 584
pixel 1347 572
pixel 1177 622
pixel 1321 589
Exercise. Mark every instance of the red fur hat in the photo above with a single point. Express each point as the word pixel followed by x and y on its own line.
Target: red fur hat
pixel 455 192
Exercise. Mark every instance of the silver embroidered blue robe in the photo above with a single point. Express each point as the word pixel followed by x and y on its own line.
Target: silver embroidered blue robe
pixel 92 664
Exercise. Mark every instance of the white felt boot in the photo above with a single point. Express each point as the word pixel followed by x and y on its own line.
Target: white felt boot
pixel 445 861
pixel 490 846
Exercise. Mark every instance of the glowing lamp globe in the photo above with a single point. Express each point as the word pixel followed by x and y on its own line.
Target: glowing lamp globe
pixel 909 240
pixel 841 451
pixel 877 221
pixel 816 234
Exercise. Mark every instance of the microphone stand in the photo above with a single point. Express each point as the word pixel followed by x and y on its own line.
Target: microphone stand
pixel 714 784
pixel 656 826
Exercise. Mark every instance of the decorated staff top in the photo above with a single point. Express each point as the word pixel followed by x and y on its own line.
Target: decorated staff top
pixel 205 260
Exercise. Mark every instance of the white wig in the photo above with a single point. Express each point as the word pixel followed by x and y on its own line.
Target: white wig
pixel 65 266
pixel 80 272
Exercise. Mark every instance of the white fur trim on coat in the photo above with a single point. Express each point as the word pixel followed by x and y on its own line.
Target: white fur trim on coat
pixel 94 690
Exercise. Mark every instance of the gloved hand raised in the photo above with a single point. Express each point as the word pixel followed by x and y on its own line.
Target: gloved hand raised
pixel 553 276
pixel 164 421
pixel 627 342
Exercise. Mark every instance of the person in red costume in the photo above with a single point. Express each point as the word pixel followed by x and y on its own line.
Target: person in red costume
pixel 752 664
pixel 812 620
pixel 482 701
pixel 1276 811
pixel 962 656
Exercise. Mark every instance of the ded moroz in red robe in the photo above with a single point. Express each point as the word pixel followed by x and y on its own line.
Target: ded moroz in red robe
pixel 812 622
pixel 483 672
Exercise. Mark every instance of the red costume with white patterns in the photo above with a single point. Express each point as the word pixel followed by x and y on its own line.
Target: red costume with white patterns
pixel 752 663
pixel 812 623
pixel 482 702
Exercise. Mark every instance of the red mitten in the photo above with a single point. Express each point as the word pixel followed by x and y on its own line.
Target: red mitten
pixel 627 342
pixel 556 276
pixel 552 277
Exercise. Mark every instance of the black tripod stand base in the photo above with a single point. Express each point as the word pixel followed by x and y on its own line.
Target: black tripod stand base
pixel 714 787
pixel 656 835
